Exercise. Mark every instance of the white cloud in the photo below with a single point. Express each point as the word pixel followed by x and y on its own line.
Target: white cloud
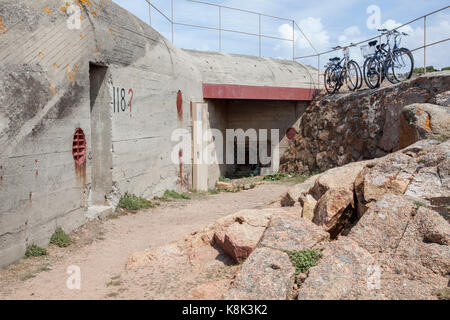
pixel 350 35
pixel 313 29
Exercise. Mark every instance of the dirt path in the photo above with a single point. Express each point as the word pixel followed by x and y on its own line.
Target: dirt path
pixel 101 249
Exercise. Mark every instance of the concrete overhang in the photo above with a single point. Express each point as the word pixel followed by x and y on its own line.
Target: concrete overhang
pixel 245 92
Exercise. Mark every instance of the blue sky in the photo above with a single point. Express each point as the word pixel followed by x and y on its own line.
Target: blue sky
pixel 326 22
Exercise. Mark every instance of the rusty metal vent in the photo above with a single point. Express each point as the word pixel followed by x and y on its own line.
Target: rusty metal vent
pixel 291 133
pixel 79 147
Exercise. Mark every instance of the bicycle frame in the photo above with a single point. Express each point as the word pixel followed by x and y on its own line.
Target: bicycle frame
pixel 340 68
pixel 383 55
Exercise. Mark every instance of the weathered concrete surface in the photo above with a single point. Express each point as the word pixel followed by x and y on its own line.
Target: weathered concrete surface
pixel 223 68
pixel 45 79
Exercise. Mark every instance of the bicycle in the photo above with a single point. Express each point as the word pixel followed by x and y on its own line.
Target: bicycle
pixel 338 71
pixel 393 63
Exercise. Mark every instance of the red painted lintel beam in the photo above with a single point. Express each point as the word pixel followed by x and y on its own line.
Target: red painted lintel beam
pixel 229 91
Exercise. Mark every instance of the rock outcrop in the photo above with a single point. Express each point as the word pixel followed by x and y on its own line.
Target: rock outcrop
pixel 388 217
pixel 423 121
pixel 379 228
pixel 341 129
pixel 267 275
pixel 240 238
pixel 341 274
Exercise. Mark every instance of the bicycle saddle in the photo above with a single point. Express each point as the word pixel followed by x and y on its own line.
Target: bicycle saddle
pixel 372 43
pixel 335 59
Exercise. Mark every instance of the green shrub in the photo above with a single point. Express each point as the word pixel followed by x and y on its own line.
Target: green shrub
pixel 35 251
pixel 304 260
pixel 214 191
pixel 176 195
pixel 445 69
pixel 419 204
pixel 420 70
pixel 133 203
pixel 275 177
pixel 60 238
pixel 224 179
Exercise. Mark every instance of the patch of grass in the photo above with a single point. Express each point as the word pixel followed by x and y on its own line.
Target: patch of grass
pixel 175 195
pixel 214 191
pixel 133 203
pixel 60 238
pixel 296 178
pixel 35 251
pixel 419 204
pixel 162 199
pixel 275 177
pixel 224 179
pixel 304 260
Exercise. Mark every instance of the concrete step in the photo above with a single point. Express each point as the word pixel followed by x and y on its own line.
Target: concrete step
pixel 99 212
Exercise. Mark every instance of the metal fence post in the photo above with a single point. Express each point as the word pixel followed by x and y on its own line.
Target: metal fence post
pixel 259 15
pixel 318 71
pixel 293 40
pixel 172 23
pixel 425 44
pixel 150 12
pixel 220 29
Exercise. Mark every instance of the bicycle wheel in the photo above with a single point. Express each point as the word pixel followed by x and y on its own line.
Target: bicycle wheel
pixel 402 64
pixel 360 78
pixel 330 81
pixel 372 73
pixel 352 76
pixel 388 71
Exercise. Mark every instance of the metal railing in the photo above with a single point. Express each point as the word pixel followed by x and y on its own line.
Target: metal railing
pixel 424 47
pixel 295 27
pixel 221 30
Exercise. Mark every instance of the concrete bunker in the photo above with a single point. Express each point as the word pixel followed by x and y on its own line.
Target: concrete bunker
pixel 87 114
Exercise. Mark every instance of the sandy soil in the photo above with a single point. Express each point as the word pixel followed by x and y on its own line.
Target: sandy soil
pixel 101 248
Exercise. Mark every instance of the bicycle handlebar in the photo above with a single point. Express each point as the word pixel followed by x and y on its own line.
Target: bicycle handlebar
pixel 394 31
pixel 341 48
